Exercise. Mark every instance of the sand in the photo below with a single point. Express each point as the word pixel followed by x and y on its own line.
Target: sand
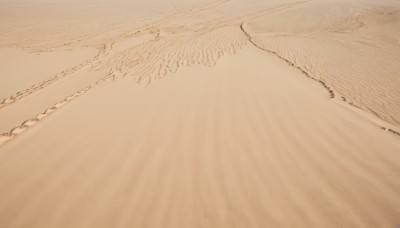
pixel 200 114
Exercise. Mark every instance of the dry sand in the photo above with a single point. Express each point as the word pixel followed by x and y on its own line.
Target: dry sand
pixel 200 113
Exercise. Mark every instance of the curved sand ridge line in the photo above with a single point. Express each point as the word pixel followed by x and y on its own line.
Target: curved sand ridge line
pixel 215 148
pixel 328 88
pixel 165 54
pixel 308 74
pixel 155 59
pixel 353 48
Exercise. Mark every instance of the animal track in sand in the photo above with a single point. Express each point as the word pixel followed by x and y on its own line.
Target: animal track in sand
pixel 30 122
pixel 153 60
pixel 36 87
pixel 201 45
pixel 104 50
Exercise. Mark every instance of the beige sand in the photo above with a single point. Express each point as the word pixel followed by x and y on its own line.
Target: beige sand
pixel 200 114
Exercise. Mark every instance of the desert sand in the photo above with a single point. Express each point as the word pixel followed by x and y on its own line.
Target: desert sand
pixel 199 113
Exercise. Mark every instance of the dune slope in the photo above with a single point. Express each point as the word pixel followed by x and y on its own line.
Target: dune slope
pixel 202 114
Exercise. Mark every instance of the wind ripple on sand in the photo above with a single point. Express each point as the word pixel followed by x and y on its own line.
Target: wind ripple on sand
pixel 249 142
pixel 240 144
pixel 153 60
pixel 353 56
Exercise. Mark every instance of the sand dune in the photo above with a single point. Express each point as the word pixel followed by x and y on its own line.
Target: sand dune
pixel 352 46
pixel 200 114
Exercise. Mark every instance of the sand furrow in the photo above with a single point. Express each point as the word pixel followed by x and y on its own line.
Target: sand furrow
pixel 233 136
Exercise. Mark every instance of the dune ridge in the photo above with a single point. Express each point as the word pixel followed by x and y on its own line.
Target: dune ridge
pixel 231 166
pixel 234 135
pixel 354 51
pixel 378 121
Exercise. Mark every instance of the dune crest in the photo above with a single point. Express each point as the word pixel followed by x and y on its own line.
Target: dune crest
pixel 269 114
pixel 353 48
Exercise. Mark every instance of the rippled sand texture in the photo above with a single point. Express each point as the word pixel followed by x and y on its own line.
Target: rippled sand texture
pixel 199 114
pixel 354 46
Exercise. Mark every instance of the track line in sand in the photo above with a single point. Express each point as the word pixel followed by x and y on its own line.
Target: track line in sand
pixel 155 59
pixel 39 117
pixel 244 141
pixel 41 85
pixel 205 147
pixel 103 52
pixel 146 72
pixel 106 48
pixel 166 56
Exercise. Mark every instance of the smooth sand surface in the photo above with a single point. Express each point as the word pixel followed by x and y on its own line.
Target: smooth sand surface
pixel 200 114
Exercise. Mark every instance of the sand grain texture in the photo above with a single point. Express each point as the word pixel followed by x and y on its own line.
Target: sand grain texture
pixel 200 114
